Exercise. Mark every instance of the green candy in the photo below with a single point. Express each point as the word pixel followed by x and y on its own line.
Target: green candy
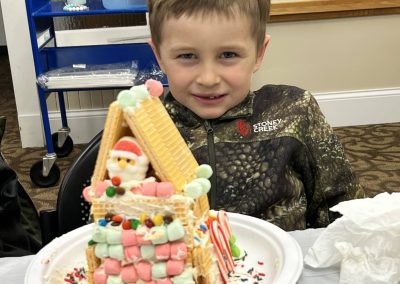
pixel 235 251
pixel 135 223
pixel 110 191
pixel 232 240
pixel 126 98
pixel 204 171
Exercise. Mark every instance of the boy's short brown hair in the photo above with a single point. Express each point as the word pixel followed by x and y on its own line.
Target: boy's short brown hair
pixel 256 10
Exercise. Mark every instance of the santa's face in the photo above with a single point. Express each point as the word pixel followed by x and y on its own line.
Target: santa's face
pixel 128 169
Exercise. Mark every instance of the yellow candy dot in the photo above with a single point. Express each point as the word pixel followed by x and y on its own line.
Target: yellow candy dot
pixel 158 220
pixel 142 218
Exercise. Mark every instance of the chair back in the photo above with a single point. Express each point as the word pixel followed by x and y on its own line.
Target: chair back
pixel 73 211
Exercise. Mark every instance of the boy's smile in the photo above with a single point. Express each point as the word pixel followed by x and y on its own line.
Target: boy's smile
pixel 209 61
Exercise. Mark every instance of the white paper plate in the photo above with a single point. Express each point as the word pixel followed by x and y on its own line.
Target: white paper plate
pixel 270 250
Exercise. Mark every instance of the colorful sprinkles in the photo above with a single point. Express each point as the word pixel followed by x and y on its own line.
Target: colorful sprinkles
pixel 78 275
pixel 251 275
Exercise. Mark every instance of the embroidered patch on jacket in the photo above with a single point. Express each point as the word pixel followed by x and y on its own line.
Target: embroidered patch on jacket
pixel 243 127
pixel 266 126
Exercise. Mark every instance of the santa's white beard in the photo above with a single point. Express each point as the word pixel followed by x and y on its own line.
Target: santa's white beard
pixel 136 172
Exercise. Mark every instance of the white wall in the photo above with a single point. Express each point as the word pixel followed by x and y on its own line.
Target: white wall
pixel 2 32
pixel 352 65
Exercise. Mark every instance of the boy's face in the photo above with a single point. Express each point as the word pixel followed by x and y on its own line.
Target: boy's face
pixel 209 61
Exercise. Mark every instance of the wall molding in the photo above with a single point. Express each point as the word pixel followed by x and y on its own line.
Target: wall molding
pixel 360 107
pixel 348 108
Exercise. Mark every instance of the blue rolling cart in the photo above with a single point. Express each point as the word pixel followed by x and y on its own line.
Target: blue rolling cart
pixel 47 56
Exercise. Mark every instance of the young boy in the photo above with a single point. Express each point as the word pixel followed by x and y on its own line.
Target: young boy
pixel 273 154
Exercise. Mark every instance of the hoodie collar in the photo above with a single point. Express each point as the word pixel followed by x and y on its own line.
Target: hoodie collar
pixel 188 118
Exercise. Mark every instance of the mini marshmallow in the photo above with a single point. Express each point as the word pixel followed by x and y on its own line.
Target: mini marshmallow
pixel 128 238
pixel 132 253
pixel 99 234
pixel 112 266
pixel 113 236
pixel 142 240
pixel 175 230
pixel 159 270
pixel 165 189
pixel 147 252
pixel 204 171
pixel 193 189
pixel 175 267
pixel 113 279
pixel 178 251
pixel 205 184
pixel 129 274
pixel 163 252
pixel 99 276
pixel 186 277
pixel 101 250
pixel 101 187
pixel 143 269
pixel 158 235
pixel 116 251
pixel 126 98
pixel 164 281
pixel 149 188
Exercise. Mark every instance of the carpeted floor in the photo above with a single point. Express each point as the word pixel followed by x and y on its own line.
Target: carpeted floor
pixel 373 150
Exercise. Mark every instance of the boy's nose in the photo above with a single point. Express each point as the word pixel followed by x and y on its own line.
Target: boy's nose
pixel 208 76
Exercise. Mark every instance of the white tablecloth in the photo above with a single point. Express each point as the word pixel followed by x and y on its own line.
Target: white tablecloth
pixel 12 269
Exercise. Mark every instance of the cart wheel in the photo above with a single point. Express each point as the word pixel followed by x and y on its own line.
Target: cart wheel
pixel 65 149
pixel 42 181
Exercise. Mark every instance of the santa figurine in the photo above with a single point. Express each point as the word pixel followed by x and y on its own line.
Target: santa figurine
pixel 127 161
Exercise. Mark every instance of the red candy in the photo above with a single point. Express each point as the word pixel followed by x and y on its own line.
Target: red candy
pixel 117 218
pixel 126 225
pixel 116 180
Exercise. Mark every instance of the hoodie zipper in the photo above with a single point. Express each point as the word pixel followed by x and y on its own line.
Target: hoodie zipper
pixel 212 195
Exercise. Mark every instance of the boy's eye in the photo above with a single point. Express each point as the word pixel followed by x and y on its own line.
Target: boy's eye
pixel 229 54
pixel 186 56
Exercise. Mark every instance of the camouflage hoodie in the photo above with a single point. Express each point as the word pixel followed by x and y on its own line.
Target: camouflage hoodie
pixel 274 157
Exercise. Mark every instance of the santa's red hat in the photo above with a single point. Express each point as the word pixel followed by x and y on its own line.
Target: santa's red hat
pixel 126 147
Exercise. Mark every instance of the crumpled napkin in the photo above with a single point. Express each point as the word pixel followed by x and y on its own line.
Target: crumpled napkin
pixel 365 241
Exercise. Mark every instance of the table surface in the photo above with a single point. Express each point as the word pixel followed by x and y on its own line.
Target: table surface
pixel 12 269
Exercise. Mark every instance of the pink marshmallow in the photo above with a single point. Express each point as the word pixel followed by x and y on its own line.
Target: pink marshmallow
pixel 164 281
pixel 178 251
pixel 128 238
pixel 99 277
pixel 129 274
pixel 86 193
pixel 165 189
pixel 175 267
pixel 155 87
pixel 143 269
pixel 132 253
pixel 149 188
pixel 162 252
pixel 101 187
pixel 112 266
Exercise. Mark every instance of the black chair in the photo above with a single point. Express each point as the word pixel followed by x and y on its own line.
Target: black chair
pixel 72 211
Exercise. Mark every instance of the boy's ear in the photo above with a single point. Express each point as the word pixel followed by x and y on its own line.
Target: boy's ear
pixel 261 53
pixel 158 57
